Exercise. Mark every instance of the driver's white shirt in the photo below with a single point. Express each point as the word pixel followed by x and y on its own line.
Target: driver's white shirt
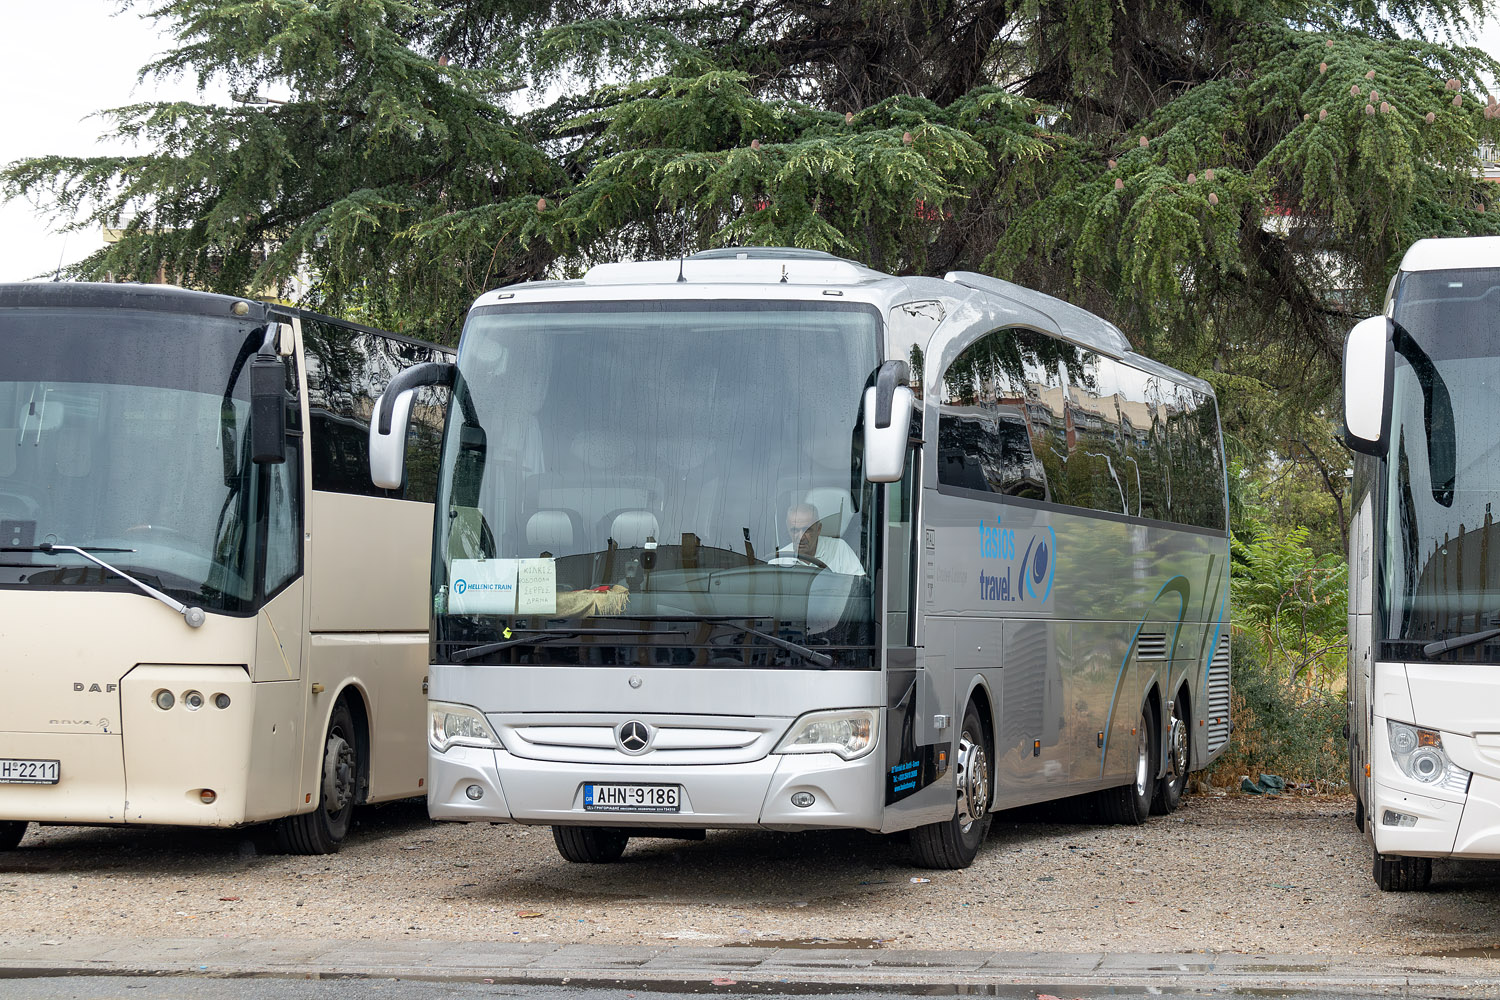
pixel 834 553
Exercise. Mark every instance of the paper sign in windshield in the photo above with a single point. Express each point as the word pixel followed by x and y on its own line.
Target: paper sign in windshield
pixel 502 587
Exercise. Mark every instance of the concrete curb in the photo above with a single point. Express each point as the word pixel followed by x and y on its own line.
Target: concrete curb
pixel 580 963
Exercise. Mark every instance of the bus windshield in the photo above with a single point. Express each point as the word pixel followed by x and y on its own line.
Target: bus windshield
pixel 121 433
pixel 676 465
pixel 1440 550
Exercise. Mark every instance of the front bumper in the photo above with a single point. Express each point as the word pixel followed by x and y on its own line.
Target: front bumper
pixel 755 794
pixel 1448 824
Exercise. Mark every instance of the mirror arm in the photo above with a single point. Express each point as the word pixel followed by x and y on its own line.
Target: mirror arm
pixel 428 373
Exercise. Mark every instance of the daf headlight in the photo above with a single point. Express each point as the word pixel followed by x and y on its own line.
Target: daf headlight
pixel 1420 756
pixel 459 725
pixel 850 733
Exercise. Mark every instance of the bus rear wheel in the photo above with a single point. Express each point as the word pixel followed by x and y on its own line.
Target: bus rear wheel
pixel 590 845
pixel 954 843
pixel 1179 761
pixel 323 830
pixel 1131 804
pixel 1394 873
pixel 11 832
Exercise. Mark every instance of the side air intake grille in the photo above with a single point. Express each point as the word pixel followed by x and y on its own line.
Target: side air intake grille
pixel 1151 646
pixel 1218 697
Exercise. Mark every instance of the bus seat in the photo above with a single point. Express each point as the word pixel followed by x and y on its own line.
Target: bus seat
pixel 835 508
pixel 631 528
pixel 550 531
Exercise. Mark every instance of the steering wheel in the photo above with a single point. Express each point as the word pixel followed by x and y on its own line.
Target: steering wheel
pixel 172 534
pixel 795 558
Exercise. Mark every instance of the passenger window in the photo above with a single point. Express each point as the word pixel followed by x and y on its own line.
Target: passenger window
pixel 999 395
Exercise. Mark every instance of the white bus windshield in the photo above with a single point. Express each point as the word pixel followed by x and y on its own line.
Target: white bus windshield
pixel 120 432
pixel 1440 550
pixel 678 464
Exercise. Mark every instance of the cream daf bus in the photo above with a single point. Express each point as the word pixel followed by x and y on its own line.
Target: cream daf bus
pixel 208 616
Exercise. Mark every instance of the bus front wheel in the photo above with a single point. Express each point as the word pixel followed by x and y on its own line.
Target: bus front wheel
pixel 323 830
pixel 1394 873
pixel 954 843
pixel 590 844
pixel 11 832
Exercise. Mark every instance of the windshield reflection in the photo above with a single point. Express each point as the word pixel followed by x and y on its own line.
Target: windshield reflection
pixel 652 461
pixel 1441 552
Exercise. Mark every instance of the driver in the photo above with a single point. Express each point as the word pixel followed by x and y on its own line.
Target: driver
pixel 809 545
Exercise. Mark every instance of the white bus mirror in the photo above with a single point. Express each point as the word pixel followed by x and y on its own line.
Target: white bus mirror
pixel 388 421
pixel 388 449
pixel 1369 367
pixel 888 408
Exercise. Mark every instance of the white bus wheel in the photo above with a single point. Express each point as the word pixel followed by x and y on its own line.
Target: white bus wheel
pixel 590 844
pixel 339 780
pixel 954 843
pixel 11 832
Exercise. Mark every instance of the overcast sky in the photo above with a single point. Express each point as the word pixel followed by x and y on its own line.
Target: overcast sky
pixel 62 60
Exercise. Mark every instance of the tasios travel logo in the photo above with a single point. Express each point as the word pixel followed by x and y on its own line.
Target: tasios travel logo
pixel 462 586
pixel 1028 578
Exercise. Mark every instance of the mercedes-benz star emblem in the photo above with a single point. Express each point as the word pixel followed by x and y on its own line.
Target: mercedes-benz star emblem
pixel 634 737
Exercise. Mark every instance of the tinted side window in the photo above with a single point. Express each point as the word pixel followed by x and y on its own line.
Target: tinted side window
pixel 1002 402
pixel 347 368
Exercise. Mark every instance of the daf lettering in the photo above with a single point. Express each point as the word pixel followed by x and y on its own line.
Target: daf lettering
pixel 95 688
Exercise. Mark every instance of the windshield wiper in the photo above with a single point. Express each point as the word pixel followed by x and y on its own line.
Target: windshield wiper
pixel 1458 641
pixel 807 652
pixel 193 616
pixel 536 635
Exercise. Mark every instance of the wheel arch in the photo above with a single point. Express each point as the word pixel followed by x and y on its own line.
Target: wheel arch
pixel 353 694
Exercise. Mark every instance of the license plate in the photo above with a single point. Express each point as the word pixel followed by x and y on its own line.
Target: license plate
pixel 632 798
pixel 15 771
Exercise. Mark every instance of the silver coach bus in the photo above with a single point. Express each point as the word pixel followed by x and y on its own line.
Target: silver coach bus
pixel 765 539
pixel 211 617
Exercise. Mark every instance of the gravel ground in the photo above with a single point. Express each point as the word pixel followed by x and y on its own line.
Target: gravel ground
pixel 1287 876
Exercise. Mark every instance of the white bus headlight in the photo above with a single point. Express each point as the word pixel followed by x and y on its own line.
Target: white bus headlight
pixel 1420 756
pixel 850 733
pixel 459 725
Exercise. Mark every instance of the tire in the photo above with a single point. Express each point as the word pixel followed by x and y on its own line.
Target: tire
pixel 1394 873
pixel 1359 802
pixel 590 845
pixel 1179 748
pixel 1130 804
pixel 954 843
pixel 11 832
pixel 323 830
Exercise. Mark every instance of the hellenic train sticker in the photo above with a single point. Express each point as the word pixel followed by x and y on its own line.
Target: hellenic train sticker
pixel 1016 565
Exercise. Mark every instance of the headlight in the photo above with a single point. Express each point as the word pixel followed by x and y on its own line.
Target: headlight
pixel 850 733
pixel 459 725
pixel 1420 756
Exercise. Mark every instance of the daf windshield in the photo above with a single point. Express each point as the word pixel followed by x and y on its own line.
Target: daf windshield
pixel 121 433
pixel 1440 553
pixel 678 472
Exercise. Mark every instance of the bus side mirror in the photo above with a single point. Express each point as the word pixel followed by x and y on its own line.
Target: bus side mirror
pixel 388 421
pixel 1369 368
pixel 267 409
pixel 888 409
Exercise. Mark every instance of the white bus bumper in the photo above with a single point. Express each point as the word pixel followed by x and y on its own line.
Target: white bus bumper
pixel 1460 825
pixel 755 794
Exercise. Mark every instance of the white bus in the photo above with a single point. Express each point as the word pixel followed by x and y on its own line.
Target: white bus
pixel 209 614
pixel 1424 563
pixel 709 555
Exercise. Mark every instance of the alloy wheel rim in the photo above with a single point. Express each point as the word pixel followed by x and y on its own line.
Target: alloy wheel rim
pixel 1142 760
pixel 973 780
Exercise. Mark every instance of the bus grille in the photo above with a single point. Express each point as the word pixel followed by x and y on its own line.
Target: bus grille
pixel 1218 696
pixel 1151 646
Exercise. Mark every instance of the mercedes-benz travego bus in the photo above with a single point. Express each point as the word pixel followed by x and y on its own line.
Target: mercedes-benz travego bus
pixel 765 539
pixel 1424 563
pixel 208 615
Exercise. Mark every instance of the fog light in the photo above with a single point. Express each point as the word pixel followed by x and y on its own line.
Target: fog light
pixel 221 700
pixel 207 796
pixel 164 700
pixel 1392 818
pixel 474 792
pixel 803 799
pixel 192 700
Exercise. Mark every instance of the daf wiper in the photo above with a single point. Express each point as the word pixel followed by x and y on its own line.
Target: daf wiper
pixel 1459 641
pixel 193 616
pixel 533 636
